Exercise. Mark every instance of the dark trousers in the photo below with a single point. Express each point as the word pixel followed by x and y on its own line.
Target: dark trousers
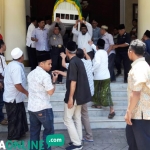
pixel 57 60
pixel 123 56
pixel 91 54
pixel 111 63
pixel 1 105
pixel 32 57
pixel 45 118
pixel 138 135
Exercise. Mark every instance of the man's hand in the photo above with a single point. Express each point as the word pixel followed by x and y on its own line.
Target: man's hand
pixel 57 20
pixel 70 103
pixel 84 50
pixel 115 46
pixel 36 40
pixel 55 76
pixel 56 72
pixel 63 55
pixel 90 42
pixel 128 117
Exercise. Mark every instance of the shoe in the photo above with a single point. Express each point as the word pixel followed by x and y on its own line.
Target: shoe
pixel 111 116
pixel 118 74
pixel 71 143
pixel 88 140
pixel 74 147
pixel 4 122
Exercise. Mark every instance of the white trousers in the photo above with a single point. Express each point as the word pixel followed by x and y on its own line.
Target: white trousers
pixel 72 120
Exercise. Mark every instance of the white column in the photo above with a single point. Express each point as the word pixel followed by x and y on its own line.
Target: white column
pixel 15 26
pixel 143 17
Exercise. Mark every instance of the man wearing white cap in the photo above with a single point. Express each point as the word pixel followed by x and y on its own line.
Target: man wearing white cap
pixel 14 95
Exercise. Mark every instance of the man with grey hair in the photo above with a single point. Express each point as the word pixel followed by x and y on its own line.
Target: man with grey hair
pixel 77 85
pixel 138 112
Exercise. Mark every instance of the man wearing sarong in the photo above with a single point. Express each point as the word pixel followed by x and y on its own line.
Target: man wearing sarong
pixel 14 95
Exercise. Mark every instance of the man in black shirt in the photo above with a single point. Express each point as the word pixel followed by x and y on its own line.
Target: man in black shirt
pixel 77 94
pixel 122 46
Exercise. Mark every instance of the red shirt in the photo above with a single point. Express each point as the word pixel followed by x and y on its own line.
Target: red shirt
pixel 1 37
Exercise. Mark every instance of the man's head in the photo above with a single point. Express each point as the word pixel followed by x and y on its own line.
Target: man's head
pixel 71 49
pixel 115 31
pixel 34 21
pixel 2 46
pixel 104 29
pixel 48 20
pixel 57 29
pixel 121 29
pixel 134 22
pixel 44 61
pixel 83 29
pixel 80 53
pixel 94 24
pixel 136 49
pixel 17 54
pixel 146 35
pixel 100 44
pixel 41 23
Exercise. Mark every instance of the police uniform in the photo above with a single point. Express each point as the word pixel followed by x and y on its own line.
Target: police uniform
pixel 122 53
pixel 56 43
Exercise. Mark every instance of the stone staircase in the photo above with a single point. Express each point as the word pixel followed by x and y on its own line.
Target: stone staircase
pixel 98 117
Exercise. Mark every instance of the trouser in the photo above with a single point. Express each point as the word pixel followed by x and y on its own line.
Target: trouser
pixel 45 118
pixel 123 56
pixel 57 60
pixel 40 52
pixel 91 54
pixel 86 122
pixel 74 129
pixel 32 57
pixel 111 63
pixel 1 105
pixel 138 135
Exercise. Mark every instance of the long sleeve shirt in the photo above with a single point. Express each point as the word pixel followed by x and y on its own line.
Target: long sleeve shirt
pixel 83 39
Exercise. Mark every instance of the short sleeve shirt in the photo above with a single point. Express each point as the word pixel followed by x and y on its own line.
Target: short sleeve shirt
pixel 39 83
pixel 139 80
pixel 14 74
pixel 124 39
pixel 76 72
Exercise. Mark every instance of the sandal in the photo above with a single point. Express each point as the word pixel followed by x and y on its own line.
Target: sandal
pixel 95 106
pixel 4 122
pixel 111 116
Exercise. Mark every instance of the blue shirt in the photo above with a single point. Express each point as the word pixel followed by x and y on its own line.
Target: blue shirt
pixel 42 36
pixel 147 42
pixel 96 35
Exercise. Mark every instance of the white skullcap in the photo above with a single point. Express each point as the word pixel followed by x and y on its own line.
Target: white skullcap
pixel 104 27
pixel 16 53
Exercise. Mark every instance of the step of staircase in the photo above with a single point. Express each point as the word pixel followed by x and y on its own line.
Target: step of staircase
pixel 98 117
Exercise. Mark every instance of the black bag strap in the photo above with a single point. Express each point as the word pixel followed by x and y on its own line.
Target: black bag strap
pixel 2 63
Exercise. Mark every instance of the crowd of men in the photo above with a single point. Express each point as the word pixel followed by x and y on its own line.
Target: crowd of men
pixel 89 60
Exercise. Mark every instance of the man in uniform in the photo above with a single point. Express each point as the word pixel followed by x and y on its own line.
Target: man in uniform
pixel 56 33
pixel 122 52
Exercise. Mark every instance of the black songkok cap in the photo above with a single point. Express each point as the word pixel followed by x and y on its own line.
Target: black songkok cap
pixel 43 57
pixel 57 26
pixel 83 25
pixel 101 43
pixel 147 33
pixel 121 26
pixel 71 46
pixel 40 19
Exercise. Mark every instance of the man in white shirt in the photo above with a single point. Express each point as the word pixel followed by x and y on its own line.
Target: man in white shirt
pixel 47 22
pixel 109 42
pixel 14 95
pixel 2 67
pixel 84 36
pixel 40 36
pixel 40 88
pixel 31 44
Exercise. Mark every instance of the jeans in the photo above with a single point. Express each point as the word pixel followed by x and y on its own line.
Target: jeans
pixel 111 63
pixel 1 105
pixel 45 118
pixel 138 135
